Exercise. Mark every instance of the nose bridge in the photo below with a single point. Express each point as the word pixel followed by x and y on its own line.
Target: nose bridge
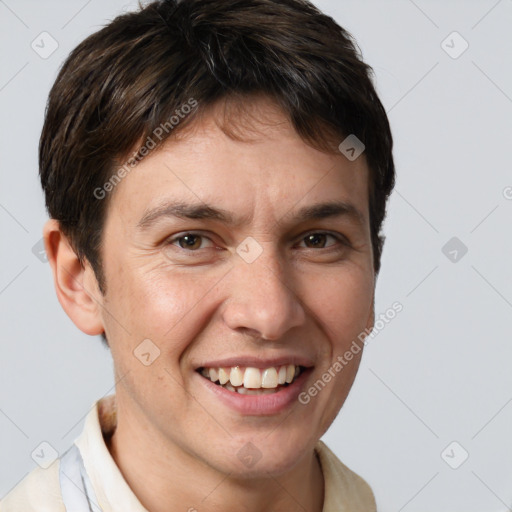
pixel 260 298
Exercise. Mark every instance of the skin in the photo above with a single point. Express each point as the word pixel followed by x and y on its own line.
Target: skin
pixel 176 445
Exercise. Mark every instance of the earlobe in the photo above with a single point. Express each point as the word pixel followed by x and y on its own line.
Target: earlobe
pixel 75 284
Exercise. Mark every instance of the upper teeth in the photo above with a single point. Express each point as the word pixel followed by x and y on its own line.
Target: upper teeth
pixel 253 378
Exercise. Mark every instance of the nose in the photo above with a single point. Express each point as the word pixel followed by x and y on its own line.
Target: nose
pixel 261 299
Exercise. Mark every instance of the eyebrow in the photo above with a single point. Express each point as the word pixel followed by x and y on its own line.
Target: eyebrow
pixel 208 212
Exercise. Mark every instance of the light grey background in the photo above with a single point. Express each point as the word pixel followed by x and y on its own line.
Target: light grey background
pixel 438 373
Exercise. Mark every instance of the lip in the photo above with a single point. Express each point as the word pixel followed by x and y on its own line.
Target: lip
pixel 259 405
pixel 257 362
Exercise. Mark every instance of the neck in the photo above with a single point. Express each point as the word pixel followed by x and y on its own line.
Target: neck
pixel 165 477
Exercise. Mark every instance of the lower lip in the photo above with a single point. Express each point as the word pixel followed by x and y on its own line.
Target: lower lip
pixel 273 403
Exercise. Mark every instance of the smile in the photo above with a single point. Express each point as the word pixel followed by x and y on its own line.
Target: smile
pixel 253 381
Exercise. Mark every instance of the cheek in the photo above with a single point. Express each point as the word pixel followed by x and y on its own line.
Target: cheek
pixel 342 302
pixel 169 307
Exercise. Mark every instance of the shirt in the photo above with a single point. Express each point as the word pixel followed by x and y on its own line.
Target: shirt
pixel 39 491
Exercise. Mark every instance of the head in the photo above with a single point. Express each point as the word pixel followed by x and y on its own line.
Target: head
pixel 199 200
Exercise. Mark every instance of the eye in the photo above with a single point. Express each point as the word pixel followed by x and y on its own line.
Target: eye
pixel 318 240
pixel 189 241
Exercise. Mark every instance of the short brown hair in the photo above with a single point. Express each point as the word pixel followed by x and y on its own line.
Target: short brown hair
pixel 124 81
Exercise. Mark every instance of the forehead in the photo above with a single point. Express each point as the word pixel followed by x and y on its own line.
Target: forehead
pixel 260 166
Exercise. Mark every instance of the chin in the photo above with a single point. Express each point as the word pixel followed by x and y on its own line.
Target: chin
pixel 261 457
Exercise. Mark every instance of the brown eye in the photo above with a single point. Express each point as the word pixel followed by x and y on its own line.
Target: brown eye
pixel 189 242
pixel 320 240
pixel 316 240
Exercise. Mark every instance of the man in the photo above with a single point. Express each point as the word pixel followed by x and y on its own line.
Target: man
pixel 216 174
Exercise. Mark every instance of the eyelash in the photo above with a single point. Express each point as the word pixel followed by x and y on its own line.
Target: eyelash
pixel 343 241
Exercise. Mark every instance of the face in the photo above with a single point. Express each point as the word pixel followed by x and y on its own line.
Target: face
pixel 223 254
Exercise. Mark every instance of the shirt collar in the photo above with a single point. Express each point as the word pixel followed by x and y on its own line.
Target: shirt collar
pixel 113 492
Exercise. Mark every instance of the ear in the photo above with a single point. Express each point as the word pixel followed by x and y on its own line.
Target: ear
pixel 76 285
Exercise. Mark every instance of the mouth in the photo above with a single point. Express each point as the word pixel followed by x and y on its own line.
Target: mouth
pixel 253 381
